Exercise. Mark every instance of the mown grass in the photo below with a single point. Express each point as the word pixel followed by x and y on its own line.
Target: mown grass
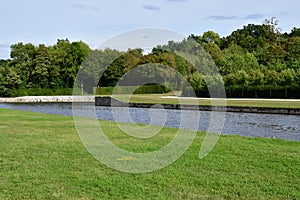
pixel 42 157
pixel 157 99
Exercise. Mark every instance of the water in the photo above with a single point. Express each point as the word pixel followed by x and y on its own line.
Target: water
pixel 246 124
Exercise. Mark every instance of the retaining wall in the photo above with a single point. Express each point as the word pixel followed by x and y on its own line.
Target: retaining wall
pixel 108 101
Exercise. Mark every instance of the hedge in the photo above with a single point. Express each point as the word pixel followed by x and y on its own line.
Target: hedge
pixel 40 92
pixel 275 93
pixel 144 89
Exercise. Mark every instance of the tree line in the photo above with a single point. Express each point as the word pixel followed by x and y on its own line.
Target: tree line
pixel 49 67
pixel 257 57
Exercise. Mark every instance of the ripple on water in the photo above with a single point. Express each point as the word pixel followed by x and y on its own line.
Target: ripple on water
pixel 246 124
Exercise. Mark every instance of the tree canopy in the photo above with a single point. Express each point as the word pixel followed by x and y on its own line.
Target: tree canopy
pixel 255 57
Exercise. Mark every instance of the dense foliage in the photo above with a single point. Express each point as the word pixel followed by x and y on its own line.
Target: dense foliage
pixel 255 61
pixel 144 89
pixel 41 67
pixel 257 58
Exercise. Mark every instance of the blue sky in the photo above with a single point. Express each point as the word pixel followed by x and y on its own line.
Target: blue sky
pixel 95 21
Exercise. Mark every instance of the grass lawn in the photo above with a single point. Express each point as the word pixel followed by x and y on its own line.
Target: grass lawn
pixel 156 98
pixel 42 157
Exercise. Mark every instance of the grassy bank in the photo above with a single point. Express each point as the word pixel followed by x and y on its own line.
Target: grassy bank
pixel 42 157
pixel 157 98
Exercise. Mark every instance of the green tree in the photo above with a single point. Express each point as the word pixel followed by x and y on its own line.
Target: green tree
pixel 215 53
pixel 295 32
pixel 256 80
pixel 237 80
pixel 250 37
pixel 211 37
pixel 22 56
pixel 9 80
pixel 69 56
pixel 272 80
pixel 292 52
pixel 93 67
pixel 40 75
pixel 287 80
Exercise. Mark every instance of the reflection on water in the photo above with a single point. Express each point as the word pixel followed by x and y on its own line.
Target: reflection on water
pixel 246 124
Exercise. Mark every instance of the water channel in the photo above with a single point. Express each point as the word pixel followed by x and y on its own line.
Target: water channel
pixel 246 124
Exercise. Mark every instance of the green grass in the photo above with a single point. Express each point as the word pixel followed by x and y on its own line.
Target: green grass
pixel 42 157
pixel 156 98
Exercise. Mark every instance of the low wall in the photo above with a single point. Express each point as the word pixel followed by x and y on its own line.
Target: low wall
pixel 108 101
pixel 48 99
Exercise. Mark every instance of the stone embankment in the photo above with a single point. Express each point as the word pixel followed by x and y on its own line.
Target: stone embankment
pixel 108 101
pixel 48 99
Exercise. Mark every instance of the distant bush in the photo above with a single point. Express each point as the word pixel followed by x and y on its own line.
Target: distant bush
pixel 239 92
pixel 40 92
pixel 145 89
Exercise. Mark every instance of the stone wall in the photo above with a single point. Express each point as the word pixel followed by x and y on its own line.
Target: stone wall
pixel 108 101
pixel 48 99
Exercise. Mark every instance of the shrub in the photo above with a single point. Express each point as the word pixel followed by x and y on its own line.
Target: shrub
pixel 144 89
pixel 40 92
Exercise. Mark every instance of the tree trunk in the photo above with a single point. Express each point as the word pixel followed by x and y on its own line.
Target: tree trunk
pixel 81 88
pixel 242 92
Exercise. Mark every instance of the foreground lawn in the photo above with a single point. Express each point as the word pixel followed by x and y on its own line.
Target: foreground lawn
pixel 157 98
pixel 42 157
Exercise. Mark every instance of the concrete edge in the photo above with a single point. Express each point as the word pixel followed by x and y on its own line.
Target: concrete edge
pixel 48 99
pixel 108 101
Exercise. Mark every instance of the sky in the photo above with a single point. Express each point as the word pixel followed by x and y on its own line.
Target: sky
pixel 96 21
